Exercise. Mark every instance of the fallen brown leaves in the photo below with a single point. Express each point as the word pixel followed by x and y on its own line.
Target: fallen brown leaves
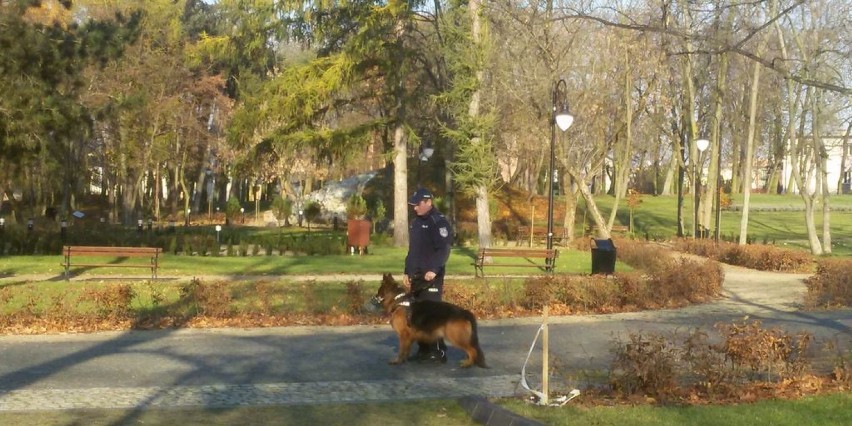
pixel 808 385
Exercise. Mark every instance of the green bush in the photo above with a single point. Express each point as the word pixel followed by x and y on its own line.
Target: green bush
pixel 356 208
pixel 283 208
pixel 379 212
pixel 312 212
pixel 173 245
pixel 232 209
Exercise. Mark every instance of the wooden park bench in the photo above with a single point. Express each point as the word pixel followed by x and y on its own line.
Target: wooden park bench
pixel 616 229
pixel 118 253
pixel 530 255
pixel 527 235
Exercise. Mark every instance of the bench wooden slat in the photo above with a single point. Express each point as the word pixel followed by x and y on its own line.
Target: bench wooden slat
pixel 539 233
pixel 485 253
pixel 530 265
pixel 518 254
pixel 621 229
pixel 113 265
pixel 117 251
pixel 153 253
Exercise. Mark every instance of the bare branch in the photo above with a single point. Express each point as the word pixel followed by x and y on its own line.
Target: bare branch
pixel 737 47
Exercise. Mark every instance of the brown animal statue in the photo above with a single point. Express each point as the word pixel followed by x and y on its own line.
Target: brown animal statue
pixel 427 321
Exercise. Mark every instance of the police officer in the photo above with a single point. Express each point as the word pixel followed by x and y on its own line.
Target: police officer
pixel 429 240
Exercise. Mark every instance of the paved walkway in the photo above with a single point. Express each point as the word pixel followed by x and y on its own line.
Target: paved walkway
pixel 230 395
pixel 315 365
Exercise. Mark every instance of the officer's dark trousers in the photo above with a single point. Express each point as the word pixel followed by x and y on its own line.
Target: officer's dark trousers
pixel 435 293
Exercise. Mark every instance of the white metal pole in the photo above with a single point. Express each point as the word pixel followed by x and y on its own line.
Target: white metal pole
pixel 544 358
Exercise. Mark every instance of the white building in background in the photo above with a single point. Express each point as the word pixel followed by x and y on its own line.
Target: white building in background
pixel 834 151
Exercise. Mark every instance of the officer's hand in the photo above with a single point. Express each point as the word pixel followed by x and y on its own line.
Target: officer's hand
pixel 429 276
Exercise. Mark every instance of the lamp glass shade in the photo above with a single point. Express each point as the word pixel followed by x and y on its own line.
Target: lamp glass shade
pixel 564 121
pixel 427 152
pixel 702 144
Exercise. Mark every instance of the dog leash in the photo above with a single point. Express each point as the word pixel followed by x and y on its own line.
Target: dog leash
pixel 558 401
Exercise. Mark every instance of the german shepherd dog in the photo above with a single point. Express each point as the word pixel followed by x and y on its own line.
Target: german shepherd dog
pixel 427 322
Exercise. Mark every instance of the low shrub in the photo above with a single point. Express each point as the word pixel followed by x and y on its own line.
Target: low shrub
pixel 666 283
pixel 311 298
pixel 754 351
pixel 753 256
pixel 831 286
pixel 645 364
pixel 663 367
pixel 678 281
pixel 111 301
pixel 641 255
pixel 356 298
pixel 487 300
pixel 538 292
pixel 671 281
pixel 263 289
pixel 210 300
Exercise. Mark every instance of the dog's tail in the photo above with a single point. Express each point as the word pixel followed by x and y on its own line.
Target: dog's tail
pixel 479 361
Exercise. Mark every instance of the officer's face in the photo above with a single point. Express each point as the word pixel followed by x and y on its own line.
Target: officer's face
pixel 422 207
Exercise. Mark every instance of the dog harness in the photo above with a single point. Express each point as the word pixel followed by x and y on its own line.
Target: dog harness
pixel 403 300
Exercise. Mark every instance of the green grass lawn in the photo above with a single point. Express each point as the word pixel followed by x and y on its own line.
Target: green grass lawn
pixel 825 410
pixel 772 218
pixel 379 260
pixel 816 411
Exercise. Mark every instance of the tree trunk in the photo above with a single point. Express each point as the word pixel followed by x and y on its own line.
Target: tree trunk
pixel 798 173
pixel 687 141
pixel 592 208
pixel 400 186
pixel 714 185
pixel 483 213
pixel 749 153
pixel 622 159
pixel 669 179
pixel 570 208
pixel 845 154
pixel 821 160
pixel 802 168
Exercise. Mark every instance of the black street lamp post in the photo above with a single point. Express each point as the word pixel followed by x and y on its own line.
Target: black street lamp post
pixel 563 119
pixel 210 185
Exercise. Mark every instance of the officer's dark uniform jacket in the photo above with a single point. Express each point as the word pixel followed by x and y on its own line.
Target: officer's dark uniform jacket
pixel 430 237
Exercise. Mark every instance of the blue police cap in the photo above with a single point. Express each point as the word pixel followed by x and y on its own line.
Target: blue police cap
pixel 419 195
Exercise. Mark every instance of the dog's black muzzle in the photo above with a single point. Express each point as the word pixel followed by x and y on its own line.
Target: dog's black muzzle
pixel 374 305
